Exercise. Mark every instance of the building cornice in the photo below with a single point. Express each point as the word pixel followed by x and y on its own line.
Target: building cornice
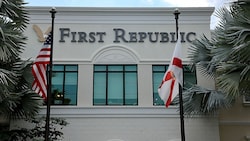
pixel 128 15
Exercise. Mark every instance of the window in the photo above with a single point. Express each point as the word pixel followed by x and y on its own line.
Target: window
pixel 189 79
pixel 64 84
pixel 115 85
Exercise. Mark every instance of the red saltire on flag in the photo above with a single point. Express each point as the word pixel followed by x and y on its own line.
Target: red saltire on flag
pixel 169 87
pixel 39 68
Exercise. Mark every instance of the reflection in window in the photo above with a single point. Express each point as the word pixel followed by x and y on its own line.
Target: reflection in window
pixel 64 84
pixel 189 78
pixel 115 85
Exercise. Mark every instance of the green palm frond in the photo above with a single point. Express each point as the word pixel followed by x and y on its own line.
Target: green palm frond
pixel 25 79
pixel 243 79
pixel 226 56
pixel 222 50
pixel 12 76
pixel 239 33
pixel 200 50
pixel 241 52
pixel 7 77
pixel 16 13
pixel 11 43
pixel 230 67
pixel 17 100
pixel 198 100
pixel 200 55
pixel 224 15
pixel 19 105
pixel 229 84
pixel 245 74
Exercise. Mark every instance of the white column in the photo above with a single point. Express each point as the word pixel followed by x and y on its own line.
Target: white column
pixel 145 88
pixel 85 85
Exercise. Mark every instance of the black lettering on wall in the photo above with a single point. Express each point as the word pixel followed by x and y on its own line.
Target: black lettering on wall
pixel 101 34
pixel 151 36
pixel 119 34
pixel 188 36
pixel 64 32
pixel 164 37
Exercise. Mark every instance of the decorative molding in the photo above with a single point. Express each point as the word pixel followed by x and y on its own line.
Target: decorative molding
pixel 115 54
pixel 114 111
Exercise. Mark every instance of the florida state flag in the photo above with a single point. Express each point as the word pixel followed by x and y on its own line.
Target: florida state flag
pixel 169 87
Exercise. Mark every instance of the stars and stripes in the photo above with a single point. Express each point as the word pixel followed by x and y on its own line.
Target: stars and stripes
pixel 39 68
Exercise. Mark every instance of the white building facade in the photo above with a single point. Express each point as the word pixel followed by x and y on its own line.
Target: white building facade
pixel 108 63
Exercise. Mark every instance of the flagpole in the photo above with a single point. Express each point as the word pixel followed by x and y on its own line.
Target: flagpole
pixel 47 129
pixel 176 13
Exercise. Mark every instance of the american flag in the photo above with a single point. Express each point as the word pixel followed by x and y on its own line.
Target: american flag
pixel 39 68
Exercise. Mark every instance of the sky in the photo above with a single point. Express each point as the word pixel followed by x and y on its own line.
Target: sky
pixel 133 3
pixel 127 3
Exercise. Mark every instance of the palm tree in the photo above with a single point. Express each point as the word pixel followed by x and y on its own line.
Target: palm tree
pixel 225 58
pixel 17 100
